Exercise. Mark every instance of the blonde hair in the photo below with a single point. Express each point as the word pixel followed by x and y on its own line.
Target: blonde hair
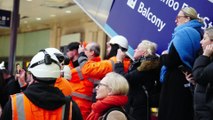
pixel 117 83
pixel 191 13
pixel 151 47
pixel 209 32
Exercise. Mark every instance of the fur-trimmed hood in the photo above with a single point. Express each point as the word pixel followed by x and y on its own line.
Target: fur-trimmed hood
pixel 149 63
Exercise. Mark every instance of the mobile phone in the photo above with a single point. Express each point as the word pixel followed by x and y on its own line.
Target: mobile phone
pixel 184 69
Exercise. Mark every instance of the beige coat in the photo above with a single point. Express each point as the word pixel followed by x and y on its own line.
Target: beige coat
pixel 115 115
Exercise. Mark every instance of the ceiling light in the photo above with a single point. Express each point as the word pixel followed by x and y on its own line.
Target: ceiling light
pixel 38 18
pixel 68 11
pixel 28 0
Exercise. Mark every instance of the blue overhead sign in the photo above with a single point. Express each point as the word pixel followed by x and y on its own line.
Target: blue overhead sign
pixel 143 19
pixel 152 19
pixel 5 17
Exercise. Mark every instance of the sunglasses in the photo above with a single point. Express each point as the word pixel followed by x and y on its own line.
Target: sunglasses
pixel 122 49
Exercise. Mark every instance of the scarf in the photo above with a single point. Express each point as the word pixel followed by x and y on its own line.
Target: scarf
pixel 186 40
pixel 101 106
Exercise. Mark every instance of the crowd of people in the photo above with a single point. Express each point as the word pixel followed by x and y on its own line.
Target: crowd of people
pixel 82 86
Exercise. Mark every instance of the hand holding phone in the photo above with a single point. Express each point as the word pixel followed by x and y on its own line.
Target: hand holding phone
pixel 185 69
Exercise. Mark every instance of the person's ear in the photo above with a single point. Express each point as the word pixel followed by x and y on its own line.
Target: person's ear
pixel 93 53
pixel 110 93
pixel 187 19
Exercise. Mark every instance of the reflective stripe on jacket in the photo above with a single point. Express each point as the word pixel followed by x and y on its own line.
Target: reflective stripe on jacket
pixel 83 85
pixel 83 88
pixel 24 109
pixel 99 69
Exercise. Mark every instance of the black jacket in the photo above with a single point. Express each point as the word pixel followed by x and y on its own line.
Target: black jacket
pixel 176 100
pixel 203 94
pixel 138 105
pixel 46 97
pixel 10 87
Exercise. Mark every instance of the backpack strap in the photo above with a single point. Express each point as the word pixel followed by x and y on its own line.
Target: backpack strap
pixel 68 108
pixel 112 109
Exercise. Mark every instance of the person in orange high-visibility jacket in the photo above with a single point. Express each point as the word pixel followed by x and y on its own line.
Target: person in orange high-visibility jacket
pixel 41 100
pixel 82 85
pixel 99 69
pixel 24 109
pixel 63 85
pixel 96 70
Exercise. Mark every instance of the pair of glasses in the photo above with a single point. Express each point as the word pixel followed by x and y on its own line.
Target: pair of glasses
pixel 178 17
pixel 107 86
pixel 101 84
pixel 122 49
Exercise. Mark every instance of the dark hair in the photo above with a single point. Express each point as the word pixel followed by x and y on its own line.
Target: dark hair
pixel 5 71
pixel 2 90
pixel 73 46
pixel 113 51
pixel 44 80
pixel 17 64
pixel 66 60
pixel 2 82
pixel 6 67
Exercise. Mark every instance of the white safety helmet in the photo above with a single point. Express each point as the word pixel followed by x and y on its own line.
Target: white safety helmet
pixel 120 40
pixel 57 53
pixel 45 66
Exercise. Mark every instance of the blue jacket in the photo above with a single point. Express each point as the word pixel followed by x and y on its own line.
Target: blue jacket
pixel 186 39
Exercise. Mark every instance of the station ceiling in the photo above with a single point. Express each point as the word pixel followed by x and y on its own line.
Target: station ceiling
pixel 43 12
